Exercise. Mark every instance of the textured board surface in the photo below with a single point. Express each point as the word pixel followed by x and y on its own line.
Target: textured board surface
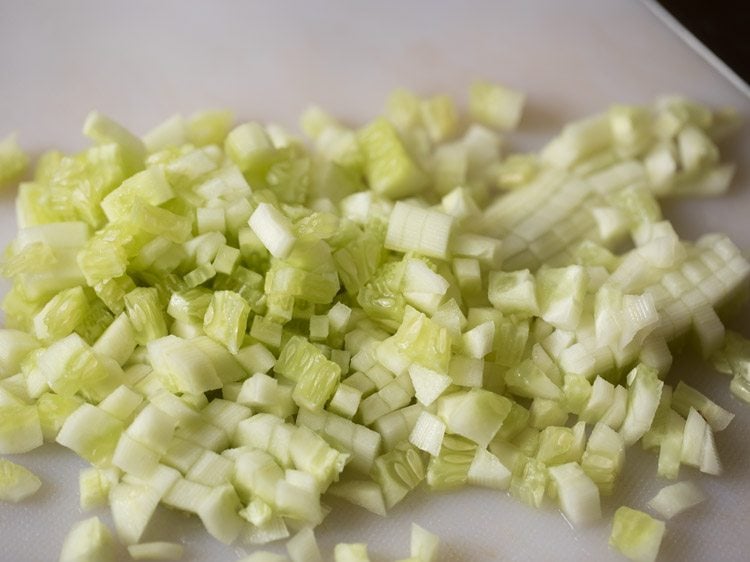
pixel 140 62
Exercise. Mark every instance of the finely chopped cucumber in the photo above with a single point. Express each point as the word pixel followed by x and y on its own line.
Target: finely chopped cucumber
pixel 231 322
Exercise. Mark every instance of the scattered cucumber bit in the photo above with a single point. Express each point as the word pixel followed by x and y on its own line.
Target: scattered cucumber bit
pixel 13 160
pixel 17 482
pixel 88 541
pixel 676 498
pixel 636 534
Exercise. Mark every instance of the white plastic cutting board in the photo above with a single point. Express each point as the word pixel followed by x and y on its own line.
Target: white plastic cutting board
pixel 141 61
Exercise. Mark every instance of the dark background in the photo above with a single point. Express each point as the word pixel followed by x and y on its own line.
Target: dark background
pixel 721 25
